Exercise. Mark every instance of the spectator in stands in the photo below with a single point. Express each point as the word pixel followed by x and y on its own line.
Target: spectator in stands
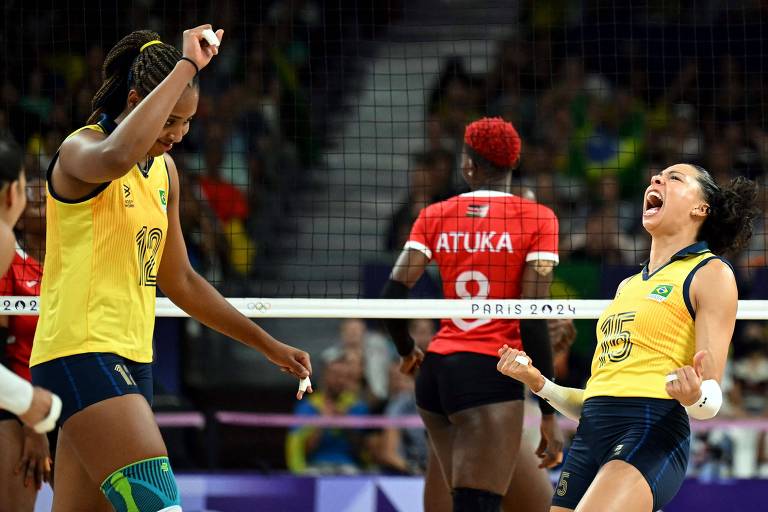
pixel 328 450
pixel 227 201
pixel 371 349
pixel 454 100
pixel 601 242
pixel 207 247
pixel 749 395
pixel 401 451
pixel 430 181
pixel 405 450
pixel 681 140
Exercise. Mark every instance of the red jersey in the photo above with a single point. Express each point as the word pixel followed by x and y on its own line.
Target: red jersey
pixel 23 278
pixel 481 242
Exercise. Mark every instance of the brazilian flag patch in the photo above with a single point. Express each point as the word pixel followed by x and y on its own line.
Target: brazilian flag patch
pixel 163 198
pixel 661 292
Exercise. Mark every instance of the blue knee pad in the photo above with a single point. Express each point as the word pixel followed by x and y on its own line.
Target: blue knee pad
pixel 146 486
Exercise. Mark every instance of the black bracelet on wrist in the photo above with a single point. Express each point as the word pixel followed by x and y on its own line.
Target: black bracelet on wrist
pixel 197 69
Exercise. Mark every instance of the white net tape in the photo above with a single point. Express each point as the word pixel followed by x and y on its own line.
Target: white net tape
pixel 396 308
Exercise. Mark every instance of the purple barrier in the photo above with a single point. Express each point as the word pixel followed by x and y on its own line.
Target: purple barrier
pixel 370 493
pixel 251 419
pixel 720 496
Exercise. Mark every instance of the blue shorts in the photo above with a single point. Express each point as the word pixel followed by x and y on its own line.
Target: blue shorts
pixel 652 434
pixel 85 379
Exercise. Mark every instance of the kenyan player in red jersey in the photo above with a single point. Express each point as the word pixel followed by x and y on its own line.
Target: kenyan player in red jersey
pixel 488 244
pixel 25 461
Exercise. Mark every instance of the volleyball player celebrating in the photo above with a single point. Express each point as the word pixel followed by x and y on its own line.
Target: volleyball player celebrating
pixel 488 244
pixel 113 234
pixel 662 347
pixel 36 407
pixel 24 454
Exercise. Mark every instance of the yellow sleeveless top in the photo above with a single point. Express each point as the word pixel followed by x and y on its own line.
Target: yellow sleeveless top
pixel 647 331
pixel 101 262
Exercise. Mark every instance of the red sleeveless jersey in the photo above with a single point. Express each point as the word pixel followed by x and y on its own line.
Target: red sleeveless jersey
pixel 481 242
pixel 22 278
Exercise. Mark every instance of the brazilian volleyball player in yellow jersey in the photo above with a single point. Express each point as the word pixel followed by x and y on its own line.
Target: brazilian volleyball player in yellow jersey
pixel 662 346
pixel 113 234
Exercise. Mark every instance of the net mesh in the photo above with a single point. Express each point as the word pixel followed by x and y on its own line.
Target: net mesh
pixel 323 129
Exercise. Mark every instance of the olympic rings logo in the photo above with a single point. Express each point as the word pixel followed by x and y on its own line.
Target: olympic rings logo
pixel 259 307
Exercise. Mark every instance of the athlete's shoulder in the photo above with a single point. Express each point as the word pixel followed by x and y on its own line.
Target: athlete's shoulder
pixel 542 211
pixel 90 131
pixel 441 208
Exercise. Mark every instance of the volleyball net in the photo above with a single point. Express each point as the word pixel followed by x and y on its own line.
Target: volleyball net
pixel 323 128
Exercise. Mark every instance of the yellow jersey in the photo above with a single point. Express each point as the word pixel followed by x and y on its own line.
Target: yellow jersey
pixel 647 331
pixel 102 256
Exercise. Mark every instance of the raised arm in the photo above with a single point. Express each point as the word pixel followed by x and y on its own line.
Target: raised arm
pixel 91 157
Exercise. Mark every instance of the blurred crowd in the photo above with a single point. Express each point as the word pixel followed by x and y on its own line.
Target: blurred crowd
pixel 593 136
pixel 259 127
pixel 594 129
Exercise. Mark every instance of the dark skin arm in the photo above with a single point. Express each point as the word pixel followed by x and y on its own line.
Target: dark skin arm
pixel 537 278
pixel 408 269
pixel 192 293
pixel 91 158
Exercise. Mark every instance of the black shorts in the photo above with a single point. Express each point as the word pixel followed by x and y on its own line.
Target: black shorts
pixel 85 379
pixel 451 383
pixel 652 434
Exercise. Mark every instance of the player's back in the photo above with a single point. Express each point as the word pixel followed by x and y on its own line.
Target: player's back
pixel 481 242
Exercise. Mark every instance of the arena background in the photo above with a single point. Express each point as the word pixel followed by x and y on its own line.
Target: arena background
pixel 323 128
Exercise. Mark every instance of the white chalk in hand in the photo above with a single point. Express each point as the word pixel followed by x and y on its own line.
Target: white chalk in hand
pixel 671 377
pixel 522 360
pixel 210 36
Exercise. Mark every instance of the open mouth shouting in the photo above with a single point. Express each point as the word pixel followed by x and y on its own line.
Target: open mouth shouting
pixel 654 202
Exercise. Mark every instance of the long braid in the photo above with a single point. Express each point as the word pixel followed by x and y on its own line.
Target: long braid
pixel 126 68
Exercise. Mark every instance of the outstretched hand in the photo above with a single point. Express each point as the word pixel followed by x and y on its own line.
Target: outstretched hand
pixel 291 360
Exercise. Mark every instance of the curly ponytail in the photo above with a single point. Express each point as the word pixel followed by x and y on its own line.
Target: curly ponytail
pixel 732 209
pixel 128 67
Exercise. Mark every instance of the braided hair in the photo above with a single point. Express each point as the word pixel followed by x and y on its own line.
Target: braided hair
pixel 732 208
pixel 128 67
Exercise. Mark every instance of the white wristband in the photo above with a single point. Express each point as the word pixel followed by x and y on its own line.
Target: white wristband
pixel 49 423
pixel 709 403
pixel 15 392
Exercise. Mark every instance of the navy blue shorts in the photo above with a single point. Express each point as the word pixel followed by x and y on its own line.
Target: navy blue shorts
pixel 85 379
pixel 451 383
pixel 652 434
